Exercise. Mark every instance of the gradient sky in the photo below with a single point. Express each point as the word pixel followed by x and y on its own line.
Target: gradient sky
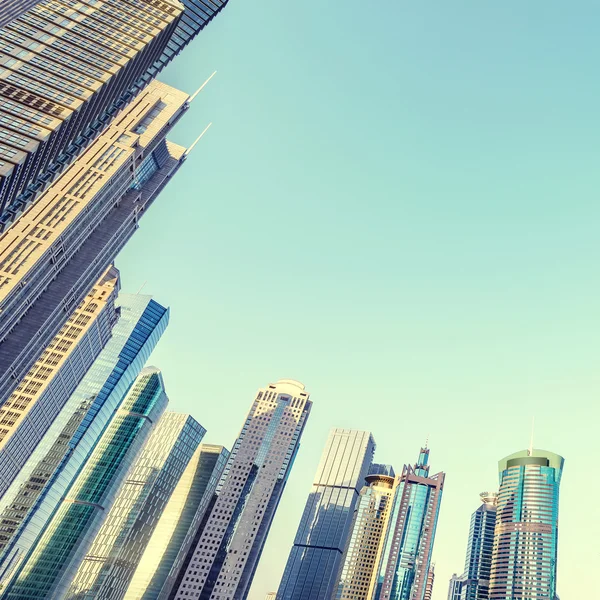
pixel 397 204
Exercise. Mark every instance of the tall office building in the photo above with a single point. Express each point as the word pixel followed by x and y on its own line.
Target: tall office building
pixel 313 566
pixel 357 577
pixel 476 579
pixel 526 536
pixel 227 551
pixel 430 582
pixel 116 551
pixel 50 259
pixel 167 551
pixel 64 64
pixel 49 570
pixel 455 587
pixel 141 323
pixel 406 556
pixel 41 394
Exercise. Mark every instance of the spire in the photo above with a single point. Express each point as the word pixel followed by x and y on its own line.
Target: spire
pixel 422 466
pixel 201 87
pixel 186 153
pixel 530 451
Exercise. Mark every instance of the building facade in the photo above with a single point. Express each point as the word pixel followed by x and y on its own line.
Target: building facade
pixel 63 244
pixel 141 323
pixel 226 554
pixel 525 549
pixel 430 582
pixel 406 557
pixel 49 570
pixel 357 578
pixel 116 551
pixel 455 587
pixel 475 582
pixel 314 563
pixel 165 555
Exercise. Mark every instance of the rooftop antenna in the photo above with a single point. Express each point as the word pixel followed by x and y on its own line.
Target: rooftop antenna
pixel 196 141
pixel 427 442
pixel 201 87
pixel 142 287
pixel 530 451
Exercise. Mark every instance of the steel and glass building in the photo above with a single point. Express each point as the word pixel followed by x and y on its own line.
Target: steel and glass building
pixel 476 579
pixel 526 535
pixel 50 259
pixel 357 576
pixel 168 551
pixel 229 546
pixel 116 551
pixel 49 570
pixel 64 65
pixel 314 563
pixel 405 561
pixel 141 323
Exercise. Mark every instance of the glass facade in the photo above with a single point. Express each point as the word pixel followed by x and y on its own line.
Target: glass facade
pixel 315 560
pixel 406 556
pixel 169 550
pixel 356 581
pixel 226 552
pixel 526 535
pixel 116 551
pixel 51 566
pixel 142 322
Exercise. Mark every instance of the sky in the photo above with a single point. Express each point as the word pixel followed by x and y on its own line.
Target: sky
pixel 396 205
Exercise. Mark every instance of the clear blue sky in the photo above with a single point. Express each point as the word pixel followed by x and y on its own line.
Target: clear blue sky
pixel 397 204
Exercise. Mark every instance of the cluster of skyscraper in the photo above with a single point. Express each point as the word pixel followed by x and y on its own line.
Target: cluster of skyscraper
pixel 104 494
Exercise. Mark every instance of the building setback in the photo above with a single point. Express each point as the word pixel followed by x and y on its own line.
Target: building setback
pixel 141 323
pixel 49 570
pixel 313 566
pixel 115 553
pixel 50 258
pixel 524 558
pixel 357 578
pixel 228 548
pixel 169 550
pixel 406 557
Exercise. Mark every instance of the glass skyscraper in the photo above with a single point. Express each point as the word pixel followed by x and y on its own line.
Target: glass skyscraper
pixel 314 563
pixel 49 570
pixel 115 553
pixel 526 535
pixel 141 323
pixel 406 557
pixel 170 548
pixel 476 579
pixel 229 546
pixel 357 577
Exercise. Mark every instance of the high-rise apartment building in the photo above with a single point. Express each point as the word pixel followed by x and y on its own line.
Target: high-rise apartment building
pixel 525 549
pixel 476 579
pixel 50 259
pixel 11 9
pixel 49 570
pixel 455 587
pixel 64 65
pixel 406 557
pixel 116 551
pixel 169 550
pixel 313 566
pixel 34 404
pixel 357 576
pixel 141 323
pixel 227 551
pixel 430 582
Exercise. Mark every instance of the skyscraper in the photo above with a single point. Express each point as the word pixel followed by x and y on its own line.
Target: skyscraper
pixel 476 579
pixel 11 9
pixel 406 555
pixel 455 587
pixel 430 581
pixel 167 552
pixel 49 570
pixel 116 551
pixel 226 554
pixel 357 577
pixel 141 323
pixel 63 244
pixel 526 535
pixel 64 66
pixel 314 562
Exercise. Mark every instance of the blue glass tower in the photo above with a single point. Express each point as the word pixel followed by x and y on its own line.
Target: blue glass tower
pixel 142 322
pixel 406 557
